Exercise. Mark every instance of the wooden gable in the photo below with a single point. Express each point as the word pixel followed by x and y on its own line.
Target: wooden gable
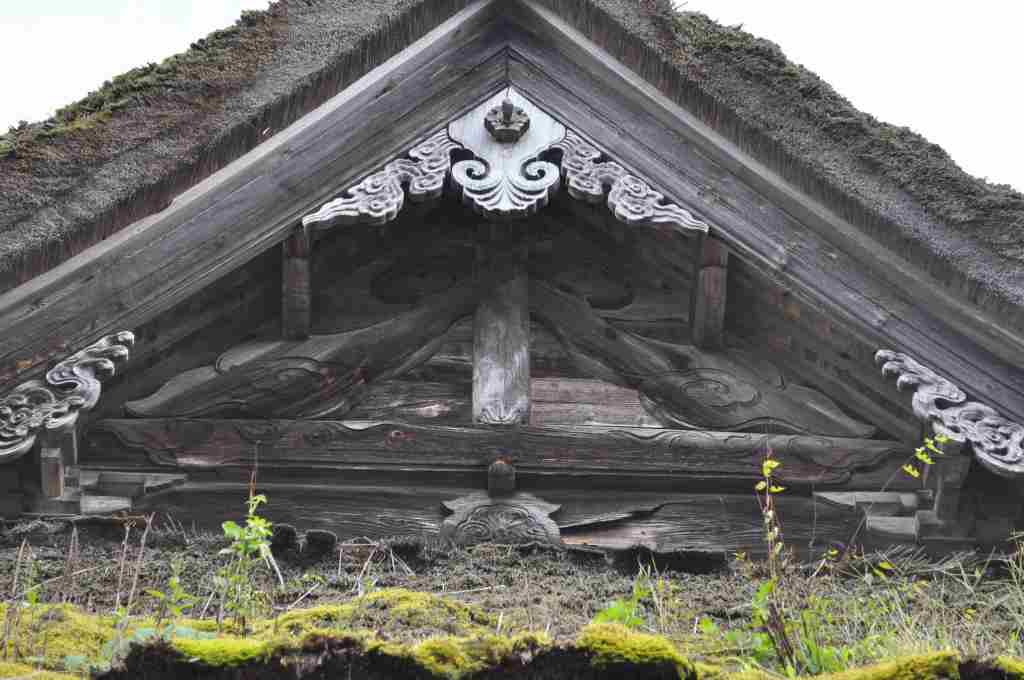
pixel 499 251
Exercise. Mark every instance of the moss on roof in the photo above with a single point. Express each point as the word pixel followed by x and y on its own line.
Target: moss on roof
pixel 127 149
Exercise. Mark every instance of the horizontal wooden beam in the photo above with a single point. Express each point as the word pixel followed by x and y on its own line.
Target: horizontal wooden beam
pixel 643 457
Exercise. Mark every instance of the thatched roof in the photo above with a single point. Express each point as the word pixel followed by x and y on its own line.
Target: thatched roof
pixel 126 150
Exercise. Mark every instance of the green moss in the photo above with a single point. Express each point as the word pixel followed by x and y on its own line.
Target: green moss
pixel 1012 666
pixel 424 612
pixel 457 657
pixel 57 632
pixel 20 670
pixel 227 651
pixel 935 666
pixel 611 643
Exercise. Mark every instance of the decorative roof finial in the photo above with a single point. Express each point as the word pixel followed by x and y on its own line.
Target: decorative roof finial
pixel 507 123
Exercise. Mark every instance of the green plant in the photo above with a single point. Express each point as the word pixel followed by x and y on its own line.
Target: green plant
pixel 628 611
pixel 174 601
pixel 932 446
pixel 250 545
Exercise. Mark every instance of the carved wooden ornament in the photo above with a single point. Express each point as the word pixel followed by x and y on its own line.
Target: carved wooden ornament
pixel 512 172
pixel 998 442
pixel 70 387
pixel 500 515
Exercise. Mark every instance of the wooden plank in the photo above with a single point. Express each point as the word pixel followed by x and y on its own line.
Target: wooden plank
pixel 723 523
pixel 501 335
pixel 761 217
pixel 622 457
pixel 582 402
pixel 727 523
pixel 710 295
pixel 250 205
pixel 296 286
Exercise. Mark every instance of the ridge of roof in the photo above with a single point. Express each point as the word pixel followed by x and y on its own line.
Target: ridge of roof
pixel 126 150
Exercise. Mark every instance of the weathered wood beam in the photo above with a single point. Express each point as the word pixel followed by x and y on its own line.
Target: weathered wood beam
pixel 709 296
pixel 501 333
pixel 296 286
pixel 684 385
pixel 645 457
pixel 325 374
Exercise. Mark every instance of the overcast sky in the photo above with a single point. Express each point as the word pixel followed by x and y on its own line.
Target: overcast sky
pixel 950 70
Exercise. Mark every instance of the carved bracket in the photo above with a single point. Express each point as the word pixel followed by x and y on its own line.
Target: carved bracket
pixel 501 514
pixel 512 173
pixel 998 442
pixel 52 404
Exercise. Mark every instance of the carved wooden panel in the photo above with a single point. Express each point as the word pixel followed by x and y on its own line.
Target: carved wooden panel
pixel 645 456
pixel 511 174
pixel 52 404
pixel 997 441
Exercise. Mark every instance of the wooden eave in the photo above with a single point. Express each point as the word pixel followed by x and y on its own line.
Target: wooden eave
pixel 254 203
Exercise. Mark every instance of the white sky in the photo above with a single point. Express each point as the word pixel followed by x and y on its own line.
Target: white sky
pixel 950 70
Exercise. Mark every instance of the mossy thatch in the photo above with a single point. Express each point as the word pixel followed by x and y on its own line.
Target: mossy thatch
pixel 125 150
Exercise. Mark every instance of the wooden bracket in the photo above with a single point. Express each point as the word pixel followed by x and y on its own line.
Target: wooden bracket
pixel 708 311
pixel 296 300
pixel 501 514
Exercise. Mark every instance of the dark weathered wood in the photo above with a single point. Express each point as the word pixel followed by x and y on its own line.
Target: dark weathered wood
pixel 683 385
pixel 501 334
pixel 447 403
pixel 322 375
pixel 51 472
pixel 710 294
pixel 580 402
pixel 723 523
pixel 643 457
pixel 726 523
pixel 296 300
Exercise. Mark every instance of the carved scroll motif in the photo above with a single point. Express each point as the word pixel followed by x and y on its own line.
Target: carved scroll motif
pixel 379 198
pixel 516 520
pixel 510 173
pixel 998 442
pixel 507 178
pixel 70 387
pixel 630 198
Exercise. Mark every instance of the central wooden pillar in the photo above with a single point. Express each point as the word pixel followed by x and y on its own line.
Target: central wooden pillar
pixel 501 329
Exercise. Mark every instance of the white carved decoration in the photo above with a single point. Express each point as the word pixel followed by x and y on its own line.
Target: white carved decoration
pixel 378 198
pixel 997 441
pixel 69 388
pixel 631 199
pixel 506 179
pixel 511 173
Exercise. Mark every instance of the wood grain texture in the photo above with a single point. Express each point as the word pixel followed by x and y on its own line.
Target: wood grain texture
pixel 644 457
pixel 296 286
pixel 724 523
pixel 710 295
pixel 322 375
pixel 501 336
pixel 683 385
